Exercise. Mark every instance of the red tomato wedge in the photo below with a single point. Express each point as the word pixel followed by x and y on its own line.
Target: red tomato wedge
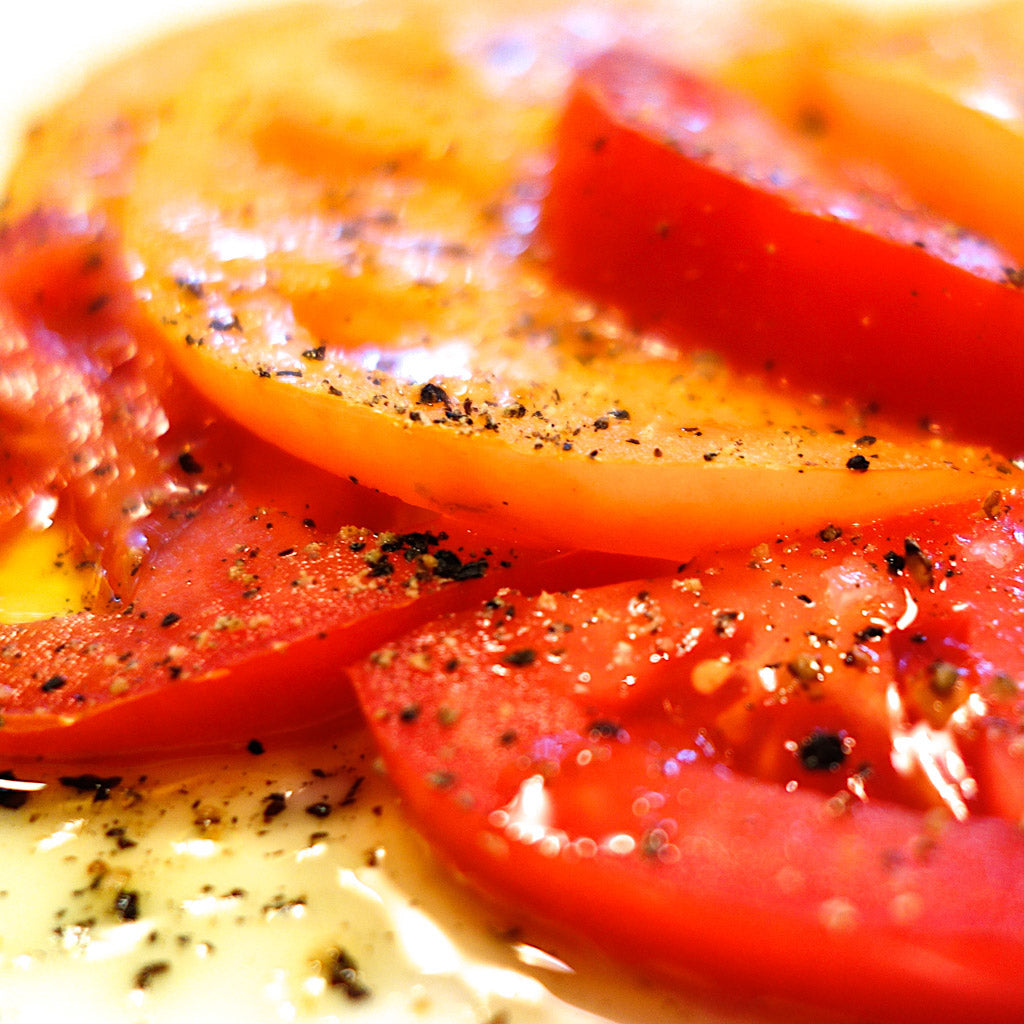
pixel 239 625
pixel 364 293
pixel 685 204
pixel 770 769
pixel 82 406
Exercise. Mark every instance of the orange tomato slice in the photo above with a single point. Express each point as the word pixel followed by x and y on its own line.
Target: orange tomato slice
pixel 363 288
pixel 935 98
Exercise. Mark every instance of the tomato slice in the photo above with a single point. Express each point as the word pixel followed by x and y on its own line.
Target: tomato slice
pixel 227 564
pixel 369 300
pixel 263 581
pixel 687 205
pixel 65 326
pixel 763 769
pixel 934 98
pixel 252 596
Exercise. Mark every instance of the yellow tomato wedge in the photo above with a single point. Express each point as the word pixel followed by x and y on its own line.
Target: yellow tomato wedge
pixel 365 291
pixel 936 99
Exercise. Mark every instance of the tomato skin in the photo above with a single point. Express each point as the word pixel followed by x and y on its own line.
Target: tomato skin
pixel 685 205
pixel 529 735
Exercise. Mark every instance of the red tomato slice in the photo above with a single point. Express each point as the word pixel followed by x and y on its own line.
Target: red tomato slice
pixel 92 425
pixel 763 769
pixel 685 204
pixel 252 600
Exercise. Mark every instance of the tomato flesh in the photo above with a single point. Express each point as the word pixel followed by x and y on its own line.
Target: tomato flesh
pixel 770 768
pixel 688 206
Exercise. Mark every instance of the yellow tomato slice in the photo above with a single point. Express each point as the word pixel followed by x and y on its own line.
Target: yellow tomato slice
pixel 360 285
pixel 936 99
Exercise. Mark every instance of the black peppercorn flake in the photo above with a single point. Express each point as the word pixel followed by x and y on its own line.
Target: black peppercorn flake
pixel 11 799
pixel 380 567
pixel 869 633
pixel 450 567
pixel 603 728
pixel 225 322
pixel 895 563
pixel 434 394
pixel 352 792
pixel 187 462
pixel 725 622
pixel 53 683
pixel 410 713
pixel 120 837
pixel 522 657
pixel 858 464
pixel 145 977
pixel 340 971
pixel 170 619
pixel 273 805
pixel 822 751
pixel 100 786
pixel 919 565
pixel 126 905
